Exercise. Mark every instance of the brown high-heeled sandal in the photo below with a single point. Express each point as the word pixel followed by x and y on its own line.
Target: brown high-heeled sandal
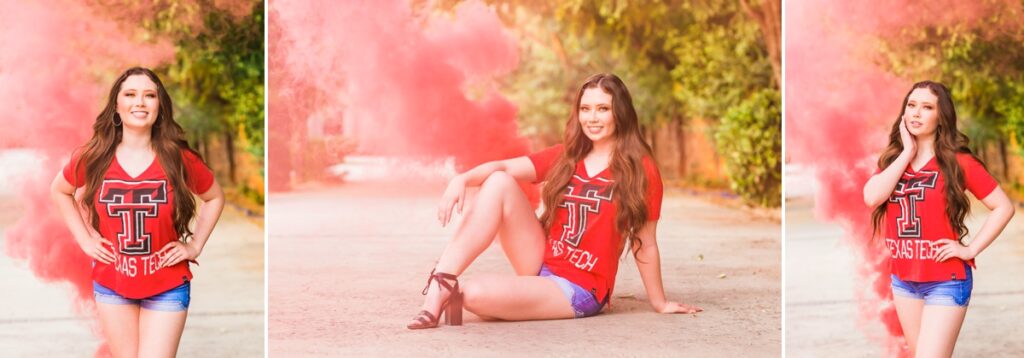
pixel 451 308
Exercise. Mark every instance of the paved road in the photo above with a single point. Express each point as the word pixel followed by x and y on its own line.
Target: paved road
pixel 348 263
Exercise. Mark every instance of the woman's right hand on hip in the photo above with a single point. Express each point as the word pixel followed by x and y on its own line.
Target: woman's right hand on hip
pixel 96 248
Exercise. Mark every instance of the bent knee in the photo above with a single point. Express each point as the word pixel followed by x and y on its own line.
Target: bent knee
pixel 499 179
pixel 471 294
pixel 475 296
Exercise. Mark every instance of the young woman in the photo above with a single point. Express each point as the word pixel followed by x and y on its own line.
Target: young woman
pixel 132 217
pixel 919 199
pixel 602 190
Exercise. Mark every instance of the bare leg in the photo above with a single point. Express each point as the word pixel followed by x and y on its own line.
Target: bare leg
pixel 516 298
pixel 940 325
pixel 909 312
pixel 120 325
pixel 160 332
pixel 502 208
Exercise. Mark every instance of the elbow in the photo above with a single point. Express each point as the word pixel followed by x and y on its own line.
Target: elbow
pixel 871 201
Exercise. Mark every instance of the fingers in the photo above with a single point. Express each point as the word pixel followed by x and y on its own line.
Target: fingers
pixel 99 252
pixel 444 212
pixel 440 213
pixel 690 309
pixel 942 256
pixel 172 257
pixel 945 253
pixel 106 255
pixel 167 248
pixel 462 199
pixel 448 213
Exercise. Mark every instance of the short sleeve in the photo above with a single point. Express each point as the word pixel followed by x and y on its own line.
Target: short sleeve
pixel 655 189
pixel 544 160
pixel 977 180
pixel 200 178
pixel 75 176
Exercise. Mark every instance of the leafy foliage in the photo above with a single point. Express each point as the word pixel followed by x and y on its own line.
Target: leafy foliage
pixel 983 65
pixel 744 134
pixel 216 80
pixel 680 59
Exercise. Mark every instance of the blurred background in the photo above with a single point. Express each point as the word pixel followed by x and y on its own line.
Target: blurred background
pixel 58 60
pixel 849 65
pixel 704 77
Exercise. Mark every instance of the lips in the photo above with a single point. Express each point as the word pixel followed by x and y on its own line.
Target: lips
pixel 916 123
pixel 140 114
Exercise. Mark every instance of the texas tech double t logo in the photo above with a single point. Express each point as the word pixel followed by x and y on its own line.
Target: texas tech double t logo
pixel 579 203
pixel 910 191
pixel 133 202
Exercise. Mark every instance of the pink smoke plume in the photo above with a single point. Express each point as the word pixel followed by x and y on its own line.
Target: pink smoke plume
pixel 839 106
pixel 404 84
pixel 57 60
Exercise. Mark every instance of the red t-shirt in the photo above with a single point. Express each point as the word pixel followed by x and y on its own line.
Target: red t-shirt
pixel 915 219
pixel 136 214
pixel 583 245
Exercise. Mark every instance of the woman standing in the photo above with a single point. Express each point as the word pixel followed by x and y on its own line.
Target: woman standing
pixel 602 190
pixel 137 177
pixel 919 197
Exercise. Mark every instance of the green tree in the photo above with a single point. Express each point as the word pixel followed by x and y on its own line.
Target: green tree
pixel 681 59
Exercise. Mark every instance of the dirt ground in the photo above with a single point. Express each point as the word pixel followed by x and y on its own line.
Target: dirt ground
pixel 226 314
pixel 821 312
pixel 348 263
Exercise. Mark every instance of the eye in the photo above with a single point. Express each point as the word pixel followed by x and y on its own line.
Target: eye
pixel 910 105
pixel 151 95
pixel 603 109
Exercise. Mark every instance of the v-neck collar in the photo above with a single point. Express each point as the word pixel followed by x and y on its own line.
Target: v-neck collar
pixel 586 173
pixel 918 170
pixel 137 176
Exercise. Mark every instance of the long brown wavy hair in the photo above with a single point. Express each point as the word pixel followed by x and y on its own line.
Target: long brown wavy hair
pixel 948 142
pixel 630 185
pixel 168 141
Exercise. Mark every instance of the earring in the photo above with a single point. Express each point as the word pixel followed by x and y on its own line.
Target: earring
pixel 117 120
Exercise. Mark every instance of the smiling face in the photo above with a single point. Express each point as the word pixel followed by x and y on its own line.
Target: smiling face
pixel 595 115
pixel 922 112
pixel 137 102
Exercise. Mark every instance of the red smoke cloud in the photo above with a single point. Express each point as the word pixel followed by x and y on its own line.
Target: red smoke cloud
pixel 405 84
pixel 57 60
pixel 839 107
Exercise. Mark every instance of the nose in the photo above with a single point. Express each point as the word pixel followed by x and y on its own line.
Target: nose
pixel 590 116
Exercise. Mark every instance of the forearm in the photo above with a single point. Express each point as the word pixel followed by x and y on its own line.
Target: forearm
pixel 649 264
pixel 477 175
pixel 71 215
pixel 209 214
pixel 880 186
pixel 993 226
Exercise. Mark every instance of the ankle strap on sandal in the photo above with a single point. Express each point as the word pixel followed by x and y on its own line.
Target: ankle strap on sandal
pixel 442 281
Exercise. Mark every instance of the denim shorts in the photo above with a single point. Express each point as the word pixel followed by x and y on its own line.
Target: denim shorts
pixel 173 300
pixel 584 303
pixel 945 293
